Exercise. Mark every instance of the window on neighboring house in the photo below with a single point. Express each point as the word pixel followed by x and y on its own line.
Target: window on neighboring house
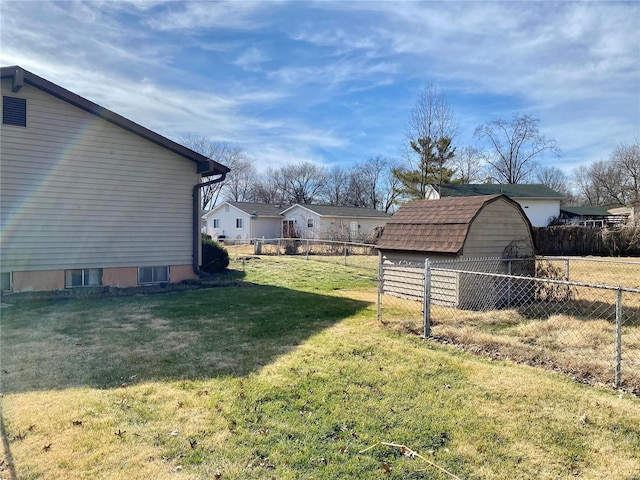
pixel 238 223
pixel 14 111
pixel 6 281
pixel 149 275
pixel 216 223
pixel 310 223
pixel 83 277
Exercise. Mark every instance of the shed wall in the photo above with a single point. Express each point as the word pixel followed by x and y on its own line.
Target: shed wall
pixel 80 192
pixel 497 225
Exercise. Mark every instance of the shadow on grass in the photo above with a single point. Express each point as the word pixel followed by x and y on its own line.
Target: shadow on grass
pixel 194 334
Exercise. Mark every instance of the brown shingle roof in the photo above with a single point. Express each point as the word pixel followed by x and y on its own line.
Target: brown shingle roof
pixel 435 226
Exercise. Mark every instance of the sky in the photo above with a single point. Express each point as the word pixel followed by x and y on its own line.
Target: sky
pixel 333 83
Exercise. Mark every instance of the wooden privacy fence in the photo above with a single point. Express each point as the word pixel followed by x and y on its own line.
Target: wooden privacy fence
pixel 575 240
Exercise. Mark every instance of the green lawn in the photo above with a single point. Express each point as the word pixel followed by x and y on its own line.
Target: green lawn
pixel 287 376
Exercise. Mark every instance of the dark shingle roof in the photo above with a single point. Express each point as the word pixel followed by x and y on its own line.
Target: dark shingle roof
pixel 261 209
pixel 351 212
pixel 535 190
pixel 434 226
pixel 588 211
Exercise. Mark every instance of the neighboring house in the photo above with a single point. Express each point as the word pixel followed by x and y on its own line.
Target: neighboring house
pixel 628 213
pixel 89 197
pixel 541 204
pixel 329 222
pixel 242 221
pixel 457 227
pixel 589 216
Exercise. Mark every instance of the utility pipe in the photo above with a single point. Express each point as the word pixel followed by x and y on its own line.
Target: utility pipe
pixel 196 223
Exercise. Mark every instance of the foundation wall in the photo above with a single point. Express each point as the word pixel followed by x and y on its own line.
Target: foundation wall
pixel 122 277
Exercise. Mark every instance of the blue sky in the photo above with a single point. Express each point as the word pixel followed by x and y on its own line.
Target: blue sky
pixel 333 82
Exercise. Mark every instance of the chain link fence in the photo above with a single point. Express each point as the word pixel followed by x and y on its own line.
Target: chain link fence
pixel 580 316
pixel 360 255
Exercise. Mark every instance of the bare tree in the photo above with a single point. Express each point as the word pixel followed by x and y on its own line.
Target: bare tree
pixel 589 192
pixel 241 180
pixel 238 180
pixel 430 132
pixel 337 187
pixel 369 183
pixel 301 183
pixel 554 178
pixel 468 164
pixel 515 147
pixel 627 159
pixel 431 117
pixel 267 190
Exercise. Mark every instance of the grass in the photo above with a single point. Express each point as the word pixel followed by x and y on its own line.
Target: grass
pixel 288 377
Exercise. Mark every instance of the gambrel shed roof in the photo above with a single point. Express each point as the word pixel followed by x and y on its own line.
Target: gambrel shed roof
pixel 437 226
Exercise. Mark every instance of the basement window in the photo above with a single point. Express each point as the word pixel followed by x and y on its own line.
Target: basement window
pixel 6 281
pixel 153 275
pixel 83 277
pixel 14 111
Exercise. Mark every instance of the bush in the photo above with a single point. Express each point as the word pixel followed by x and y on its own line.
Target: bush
pixel 215 258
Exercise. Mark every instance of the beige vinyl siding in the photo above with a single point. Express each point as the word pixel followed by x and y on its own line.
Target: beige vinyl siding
pixel 495 227
pixel 80 192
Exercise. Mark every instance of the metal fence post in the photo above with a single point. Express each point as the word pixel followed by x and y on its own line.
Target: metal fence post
pixel 618 337
pixel 509 286
pixel 379 305
pixel 426 303
pixel 307 249
pixel 345 254
pixel 278 247
pixel 566 270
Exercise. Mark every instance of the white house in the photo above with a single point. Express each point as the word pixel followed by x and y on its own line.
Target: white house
pixel 329 222
pixel 231 221
pixel 540 204
pixel 90 198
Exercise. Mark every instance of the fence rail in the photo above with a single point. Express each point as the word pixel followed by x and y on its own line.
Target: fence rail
pixel 577 315
pixel 338 252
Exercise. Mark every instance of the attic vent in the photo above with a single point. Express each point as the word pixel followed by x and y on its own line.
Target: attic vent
pixel 14 111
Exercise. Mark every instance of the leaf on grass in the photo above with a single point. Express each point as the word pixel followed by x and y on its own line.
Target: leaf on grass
pixel 46 448
pixel 217 475
pixel 193 443
pixel 31 428
pixel 77 423
pixel 387 467
pixel 173 433
pixel 120 433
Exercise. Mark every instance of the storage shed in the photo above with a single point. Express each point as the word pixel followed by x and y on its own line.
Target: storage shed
pixel 447 229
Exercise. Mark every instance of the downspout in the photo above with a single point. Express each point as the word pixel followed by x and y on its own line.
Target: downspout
pixel 196 223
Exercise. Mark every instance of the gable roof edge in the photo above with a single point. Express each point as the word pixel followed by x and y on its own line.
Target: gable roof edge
pixel 20 76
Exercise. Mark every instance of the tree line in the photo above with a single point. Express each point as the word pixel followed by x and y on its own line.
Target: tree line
pixel 506 151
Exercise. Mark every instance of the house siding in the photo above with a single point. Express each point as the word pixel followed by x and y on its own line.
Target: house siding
pixel 497 225
pixel 327 227
pixel 227 227
pixel 540 211
pixel 80 192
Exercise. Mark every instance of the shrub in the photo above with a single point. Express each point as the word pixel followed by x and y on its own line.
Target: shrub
pixel 214 257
